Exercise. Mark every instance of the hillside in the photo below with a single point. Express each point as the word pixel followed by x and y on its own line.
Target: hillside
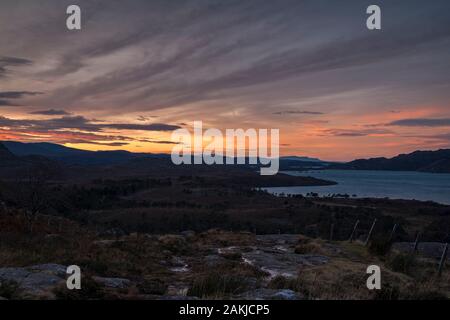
pixel 425 161
pixel 74 156
pixel 7 159
pixel 71 156
pixel 5 154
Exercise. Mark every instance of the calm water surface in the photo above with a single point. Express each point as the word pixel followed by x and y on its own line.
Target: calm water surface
pixel 376 184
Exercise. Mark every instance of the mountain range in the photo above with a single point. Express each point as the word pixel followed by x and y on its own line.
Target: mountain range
pixel 73 156
pixel 5 154
pixel 427 161
pixel 68 155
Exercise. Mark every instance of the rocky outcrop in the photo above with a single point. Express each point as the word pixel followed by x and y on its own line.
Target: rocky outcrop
pixel 39 281
pixel 275 255
pixel 115 283
pixel 271 294
pixel 36 281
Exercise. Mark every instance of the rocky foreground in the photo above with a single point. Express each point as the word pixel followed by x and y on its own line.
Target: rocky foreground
pixel 230 265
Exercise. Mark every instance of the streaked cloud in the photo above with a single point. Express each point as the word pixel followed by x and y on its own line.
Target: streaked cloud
pixel 81 123
pixel 17 94
pixel 7 95
pixel 51 112
pixel 356 132
pixel 290 112
pixel 6 62
pixel 422 122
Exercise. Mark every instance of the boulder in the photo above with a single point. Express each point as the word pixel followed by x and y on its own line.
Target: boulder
pixel 35 281
pixel 271 294
pixel 173 243
pixel 116 283
pixel 50 268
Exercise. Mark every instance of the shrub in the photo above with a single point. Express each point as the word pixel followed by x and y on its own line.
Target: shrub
pixel 155 286
pixel 426 295
pixel 303 239
pixel 232 255
pixel 387 292
pixel 90 290
pixel 279 282
pixel 379 246
pixel 402 262
pixel 174 243
pixel 307 248
pixel 9 290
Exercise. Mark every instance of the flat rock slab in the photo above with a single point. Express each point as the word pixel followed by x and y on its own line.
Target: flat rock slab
pixel 50 268
pixel 271 294
pixel 282 263
pixel 116 283
pixel 36 280
pixel 277 239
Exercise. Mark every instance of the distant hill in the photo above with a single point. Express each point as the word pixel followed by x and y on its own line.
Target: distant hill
pixel 293 163
pixel 83 157
pixel 425 161
pixel 5 154
pixel 15 152
pixel 304 159
pixel 40 149
pixel 73 156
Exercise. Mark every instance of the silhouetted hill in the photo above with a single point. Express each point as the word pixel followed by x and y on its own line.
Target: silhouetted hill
pixel 73 156
pixel 426 161
pixel 68 155
pixel 302 163
pixel 40 149
pixel 5 154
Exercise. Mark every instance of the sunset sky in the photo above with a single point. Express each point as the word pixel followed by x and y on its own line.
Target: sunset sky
pixel 139 69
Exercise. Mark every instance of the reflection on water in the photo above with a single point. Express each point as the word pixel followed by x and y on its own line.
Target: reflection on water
pixel 376 184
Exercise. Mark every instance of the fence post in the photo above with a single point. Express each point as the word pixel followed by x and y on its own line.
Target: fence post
pixel 370 232
pixel 354 230
pixel 393 232
pixel 416 243
pixel 443 259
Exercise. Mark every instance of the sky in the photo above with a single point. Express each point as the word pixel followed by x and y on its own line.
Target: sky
pixel 139 69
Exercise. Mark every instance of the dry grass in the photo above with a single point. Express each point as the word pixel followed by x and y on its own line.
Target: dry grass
pixel 141 258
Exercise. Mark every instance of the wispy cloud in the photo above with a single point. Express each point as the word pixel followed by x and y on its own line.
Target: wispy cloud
pixel 6 62
pixel 5 96
pixel 288 112
pixel 145 118
pixel 17 94
pixel 422 122
pixel 81 123
pixel 356 132
pixel 51 112
pixel 77 129
pixel 7 103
